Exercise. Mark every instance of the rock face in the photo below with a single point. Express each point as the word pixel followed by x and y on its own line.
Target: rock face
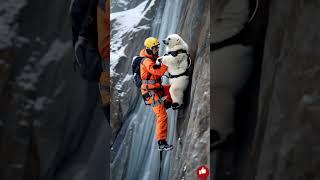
pixel 277 129
pixel 289 94
pixel 192 148
pixel 51 125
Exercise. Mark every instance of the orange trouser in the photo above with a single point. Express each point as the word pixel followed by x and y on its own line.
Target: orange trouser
pixel 162 121
pixel 161 113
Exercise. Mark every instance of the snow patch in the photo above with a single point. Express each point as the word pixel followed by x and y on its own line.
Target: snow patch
pixel 120 84
pixel 122 94
pixel 20 41
pixel 33 70
pixel 114 59
pixel 4 63
pixel 38 104
pixel 123 23
pixel 9 10
pixel 120 3
pixel 128 77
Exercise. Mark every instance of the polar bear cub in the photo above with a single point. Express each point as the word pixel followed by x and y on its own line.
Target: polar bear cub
pixel 177 61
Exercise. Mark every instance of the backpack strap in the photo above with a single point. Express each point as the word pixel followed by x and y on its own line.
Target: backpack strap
pixel 148 81
pixel 149 74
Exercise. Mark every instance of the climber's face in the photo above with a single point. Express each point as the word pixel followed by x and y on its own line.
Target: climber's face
pixel 155 50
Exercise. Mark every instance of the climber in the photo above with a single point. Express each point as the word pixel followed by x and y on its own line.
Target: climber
pixel 153 91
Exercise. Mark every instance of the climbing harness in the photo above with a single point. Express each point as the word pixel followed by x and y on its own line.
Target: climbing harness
pixel 186 73
pixel 151 93
pixel 174 54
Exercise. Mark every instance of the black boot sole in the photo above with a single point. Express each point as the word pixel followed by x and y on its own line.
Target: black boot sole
pixel 177 107
pixel 166 149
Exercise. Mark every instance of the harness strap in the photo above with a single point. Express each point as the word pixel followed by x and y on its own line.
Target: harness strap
pixel 175 53
pixel 151 81
pixel 186 73
pixel 156 103
pixel 151 94
pixel 148 76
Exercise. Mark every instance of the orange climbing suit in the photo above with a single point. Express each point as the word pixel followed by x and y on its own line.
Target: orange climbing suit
pixel 157 90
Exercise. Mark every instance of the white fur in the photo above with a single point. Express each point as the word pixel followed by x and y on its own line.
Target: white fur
pixel 176 65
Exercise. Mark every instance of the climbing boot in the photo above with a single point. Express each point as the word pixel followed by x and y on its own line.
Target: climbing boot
pixel 164 146
pixel 167 104
pixel 176 106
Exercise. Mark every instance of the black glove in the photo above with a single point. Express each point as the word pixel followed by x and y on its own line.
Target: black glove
pixel 156 66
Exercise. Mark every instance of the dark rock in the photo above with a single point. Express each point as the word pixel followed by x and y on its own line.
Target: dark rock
pixel 52 126
pixel 277 137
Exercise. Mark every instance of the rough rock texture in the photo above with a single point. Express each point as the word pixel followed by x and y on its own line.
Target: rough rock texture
pixel 193 122
pixel 51 124
pixel 289 94
pixel 120 5
pixel 278 111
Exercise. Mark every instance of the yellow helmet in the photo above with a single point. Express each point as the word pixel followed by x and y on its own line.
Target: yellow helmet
pixel 150 42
